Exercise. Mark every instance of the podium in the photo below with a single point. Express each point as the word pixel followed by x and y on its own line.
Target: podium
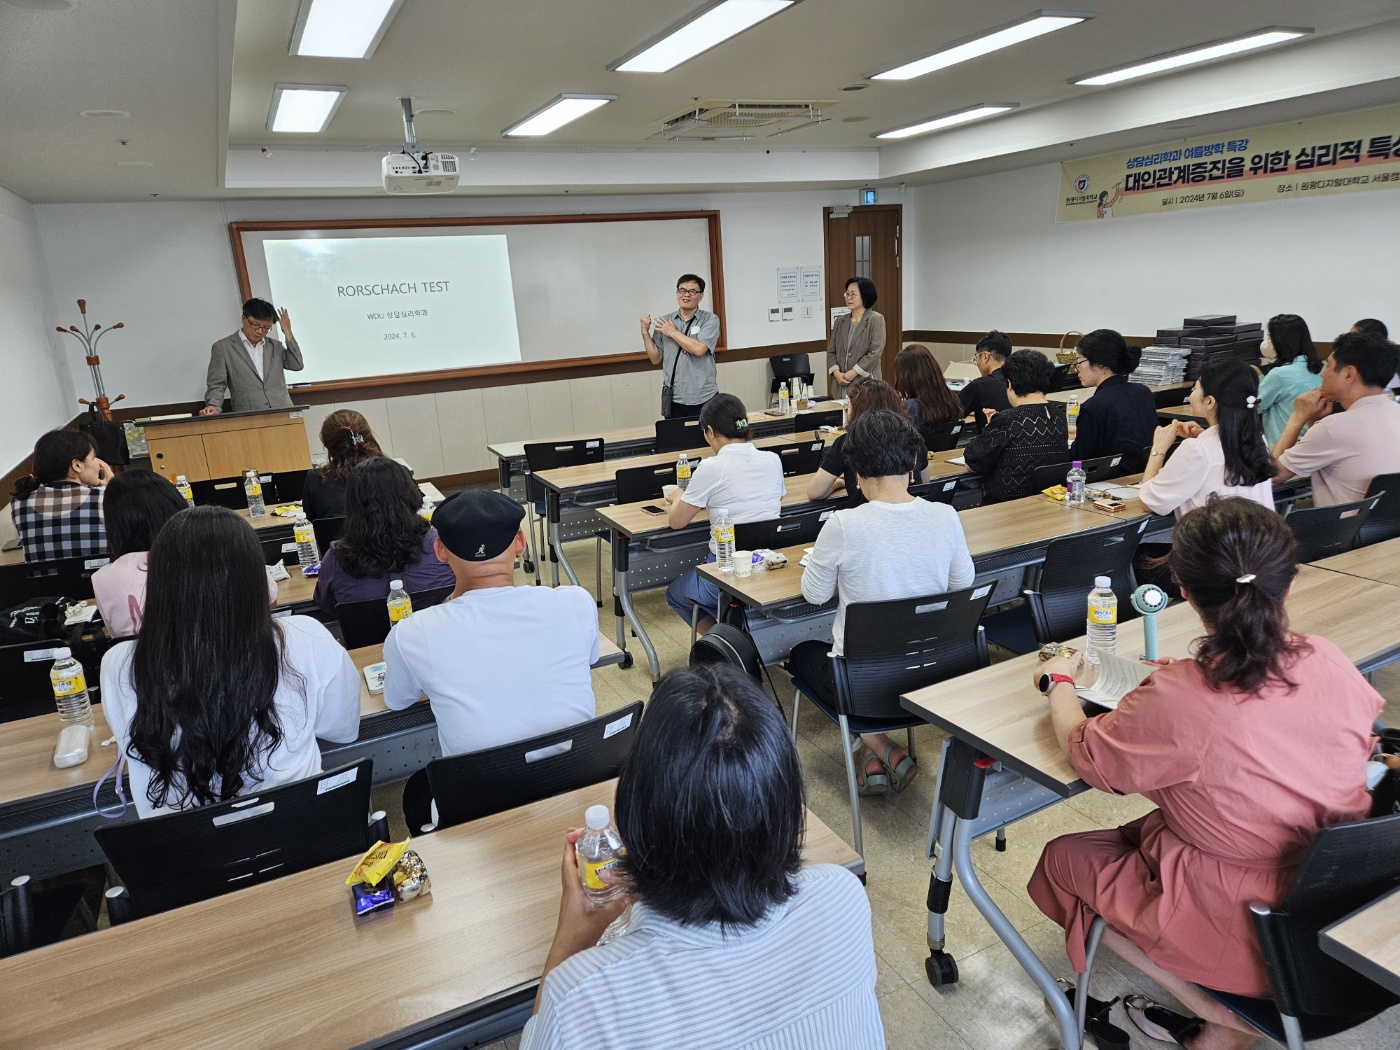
pixel 205 448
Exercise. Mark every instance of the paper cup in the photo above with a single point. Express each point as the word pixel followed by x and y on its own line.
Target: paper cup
pixel 668 490
pixel 743 563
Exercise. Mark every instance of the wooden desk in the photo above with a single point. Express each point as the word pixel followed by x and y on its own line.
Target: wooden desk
pixel 1379 562
pixel 288 965
pixel 296 590
pixel 268 520
pixel 1368 941
pixel 223 446
pixel 1184 412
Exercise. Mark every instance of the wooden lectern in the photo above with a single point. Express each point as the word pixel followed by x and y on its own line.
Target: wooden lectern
pixel 205 448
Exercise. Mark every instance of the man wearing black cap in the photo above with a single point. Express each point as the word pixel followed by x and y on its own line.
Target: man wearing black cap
pixel 499 663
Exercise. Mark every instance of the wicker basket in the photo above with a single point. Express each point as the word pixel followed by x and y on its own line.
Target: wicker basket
pixel 1066 356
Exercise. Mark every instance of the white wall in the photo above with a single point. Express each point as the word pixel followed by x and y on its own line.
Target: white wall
pixel 986 253
pixel 38 393
pixel 166 269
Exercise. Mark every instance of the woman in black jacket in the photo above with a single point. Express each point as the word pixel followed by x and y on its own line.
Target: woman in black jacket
pixel 1032 433
pixel 1121 416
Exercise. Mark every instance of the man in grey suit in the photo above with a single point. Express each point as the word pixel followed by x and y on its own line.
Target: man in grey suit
pixel 249 364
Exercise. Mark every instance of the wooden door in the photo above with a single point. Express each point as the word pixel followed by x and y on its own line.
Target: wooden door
pixel 866 243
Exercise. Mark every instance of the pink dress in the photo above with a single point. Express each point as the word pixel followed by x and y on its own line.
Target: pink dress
pixel 120 590
pixel 1242 783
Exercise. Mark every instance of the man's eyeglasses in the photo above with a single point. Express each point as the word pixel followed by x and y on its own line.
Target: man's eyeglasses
pixel 261 326
pixel 689 293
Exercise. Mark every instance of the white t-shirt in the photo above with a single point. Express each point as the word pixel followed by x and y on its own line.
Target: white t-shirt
pixel 498 665
pixel 1195 471
pixel 746 481
pixel 881 552
pixel 326 706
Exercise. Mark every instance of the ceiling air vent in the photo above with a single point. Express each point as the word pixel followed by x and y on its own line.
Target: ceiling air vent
pixel 719 120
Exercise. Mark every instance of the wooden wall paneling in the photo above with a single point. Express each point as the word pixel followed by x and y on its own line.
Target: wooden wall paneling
pixel 417 438
pixel 376 412
pixel 592 404
pixel 636 398
pixel 313 416
pixel 507 413
pixel 551 408
pixel 462 427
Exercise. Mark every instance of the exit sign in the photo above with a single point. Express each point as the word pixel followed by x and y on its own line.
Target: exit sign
pixel 868 197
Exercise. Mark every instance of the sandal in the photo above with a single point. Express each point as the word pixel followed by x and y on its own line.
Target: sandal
pixel 1106 1034
pixel 1156 1021
pixel 868 783
pixel 901 774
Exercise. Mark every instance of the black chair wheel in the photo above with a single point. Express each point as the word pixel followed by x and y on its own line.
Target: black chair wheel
pixel 528 565
pixel 626 661
pixel 1001 845
pixel 942 969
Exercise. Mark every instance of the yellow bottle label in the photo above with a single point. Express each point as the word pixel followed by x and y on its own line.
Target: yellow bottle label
pixel 253 488
pixel 593 869
pixel 304 532
pixel 724 533
pixel 185 491
pixel 682 471
pixel 1103 617
pixel 69 684
pixel 400 609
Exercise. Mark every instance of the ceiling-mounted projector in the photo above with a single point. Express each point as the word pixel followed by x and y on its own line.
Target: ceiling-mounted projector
pixel 415 170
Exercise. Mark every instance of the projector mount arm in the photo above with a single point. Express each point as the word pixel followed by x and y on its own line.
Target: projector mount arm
pixel 410 138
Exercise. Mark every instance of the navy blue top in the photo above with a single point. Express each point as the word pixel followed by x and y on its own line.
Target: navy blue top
pixel 1120 417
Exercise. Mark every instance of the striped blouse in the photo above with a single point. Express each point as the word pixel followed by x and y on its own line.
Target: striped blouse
pixel 802 978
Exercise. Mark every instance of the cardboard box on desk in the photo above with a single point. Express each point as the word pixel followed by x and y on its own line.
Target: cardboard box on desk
pixel 1208 320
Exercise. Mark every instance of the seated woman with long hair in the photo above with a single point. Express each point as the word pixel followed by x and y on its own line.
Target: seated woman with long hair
pixel 385 539
pixel 731 942
pixel 919 379
pixel 1248 748
pixel 57 509
pixel 215 698
pixel 348 440
pixel 867 395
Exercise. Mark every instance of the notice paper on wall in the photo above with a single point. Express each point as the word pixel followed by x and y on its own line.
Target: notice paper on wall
pixel 811 284
pixel 787 284
pixel 395 304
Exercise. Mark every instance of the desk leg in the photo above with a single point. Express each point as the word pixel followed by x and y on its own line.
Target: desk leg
pixel 618 546
pixel 624 596
pixel 557 556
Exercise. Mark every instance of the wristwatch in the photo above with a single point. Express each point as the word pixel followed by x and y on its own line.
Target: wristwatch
pixel 1049 681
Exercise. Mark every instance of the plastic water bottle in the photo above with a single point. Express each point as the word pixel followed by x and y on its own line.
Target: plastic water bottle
pixel 426 510
pixel 1072 416
pixel 400 604
pixel 1102 630
pixel 307 552
pixel 70 689
pixel 682 472
pixel 252 488
pixel 598 849
pixel 183 487
pixel 1074 485
pixel 784 399
pixel 722 532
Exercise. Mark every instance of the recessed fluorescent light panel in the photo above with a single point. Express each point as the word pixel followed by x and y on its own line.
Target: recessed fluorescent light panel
pixel 963 116
pixel 1030 27
pixel 305 108
pixel 1193 56
pixel 556 114
pixel 697 32
pixel 341 28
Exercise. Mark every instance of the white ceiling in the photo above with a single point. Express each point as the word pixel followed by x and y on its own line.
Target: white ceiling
pixel 197 78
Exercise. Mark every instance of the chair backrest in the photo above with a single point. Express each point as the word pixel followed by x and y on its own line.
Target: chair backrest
pixel 1096 470
pixel 327 531
pixel 479 783
pixel 289 485
pixel 799 457
pixel 942 437
pixel 366 622
pixel 1324 531
pixel 25 689
pixel 635 484
pixel 827 417
pixel 785 366
pixel 169 861
pixel 939 490
pixel 1347 867
pixel 1170 398
pixel 673 435
pixel 62 577
pixel 222 492
pixel 1383 523
pixel 279 548
pixel 781 532
pixel 550 455
pixel 1059 604
pixel 896 646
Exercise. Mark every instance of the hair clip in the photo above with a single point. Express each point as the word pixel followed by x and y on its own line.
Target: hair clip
pixel 1251 401
pixel 1246 578
pixel 356 438
pixel 741 424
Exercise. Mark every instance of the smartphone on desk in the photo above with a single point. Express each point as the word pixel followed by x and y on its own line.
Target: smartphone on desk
pixel 653 509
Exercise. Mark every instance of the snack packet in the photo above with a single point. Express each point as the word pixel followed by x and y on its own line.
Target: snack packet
pixel 410 877
pixel 377 862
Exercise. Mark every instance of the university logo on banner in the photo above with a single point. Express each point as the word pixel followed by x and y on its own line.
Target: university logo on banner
pixel 1348 153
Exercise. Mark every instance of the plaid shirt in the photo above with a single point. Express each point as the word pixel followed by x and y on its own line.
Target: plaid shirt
pixel 60 520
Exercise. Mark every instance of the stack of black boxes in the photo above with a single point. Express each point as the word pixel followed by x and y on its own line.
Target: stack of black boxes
pixel 1213 337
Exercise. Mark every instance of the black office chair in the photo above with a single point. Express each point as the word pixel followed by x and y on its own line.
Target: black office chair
pixel 288 486
pixel 789 366
pixel 367 622
pixel 1170 398
pixel 1315 996
pixel 939 490
pixel 479 783
pixel 33 915
pixel 169 861
pixel 679 435
pixel 1324 531
pixel 222 492
pixel 550 455
pixel 826 417
pixel 1058 603
pixel 279 548
pixel 69 578
pixel 781 532
pixel 892 648
pixel 327 531
pixel 635 484
pixel 1383 522
pixel 25 688
pixel 800 457
pixel 942 437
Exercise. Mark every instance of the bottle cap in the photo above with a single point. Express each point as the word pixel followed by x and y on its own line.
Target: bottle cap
pixel 718 512
pixel 1075 463
pixel 63 653
pixel 1103 582
pixel 596 818
pixel 396 585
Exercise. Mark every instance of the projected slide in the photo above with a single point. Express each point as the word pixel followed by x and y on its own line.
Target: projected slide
pixel 386 305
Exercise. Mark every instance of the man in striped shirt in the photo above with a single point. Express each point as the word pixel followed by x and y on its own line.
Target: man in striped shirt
pixel 731 942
